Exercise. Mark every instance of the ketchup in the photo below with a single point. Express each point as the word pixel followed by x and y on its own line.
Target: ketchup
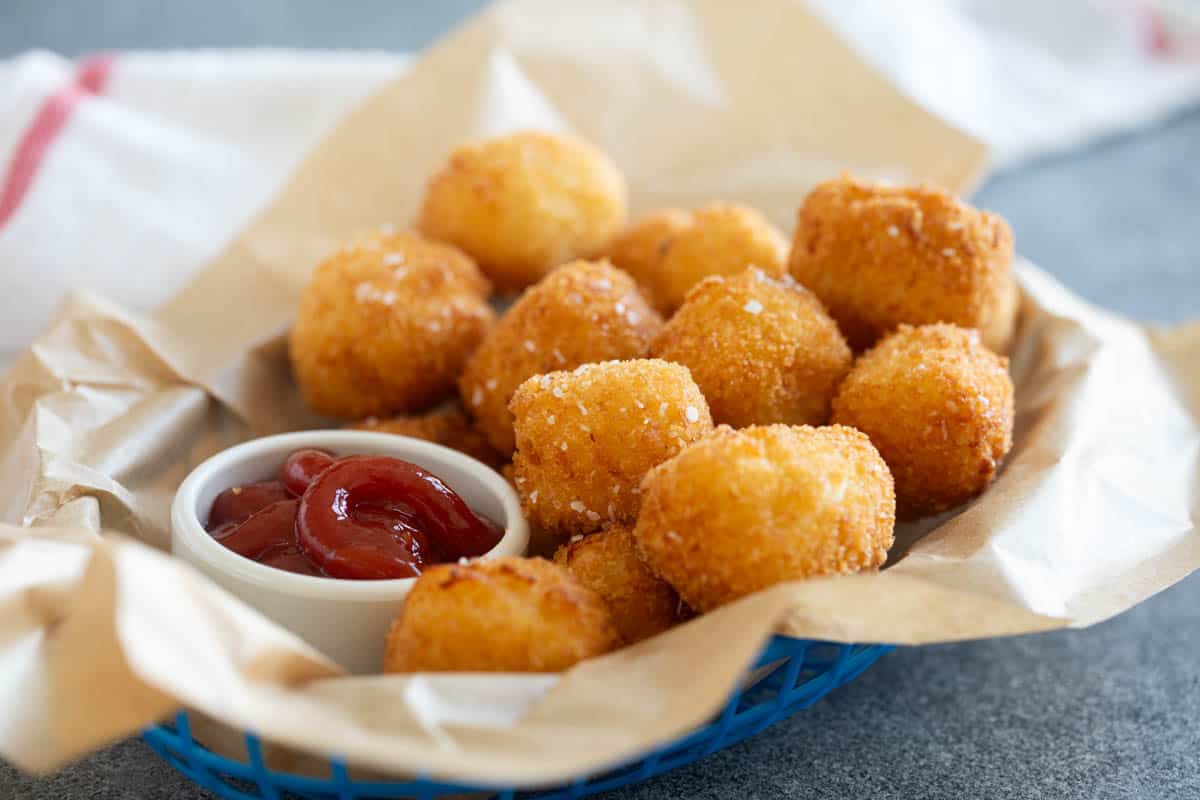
pixel 359 517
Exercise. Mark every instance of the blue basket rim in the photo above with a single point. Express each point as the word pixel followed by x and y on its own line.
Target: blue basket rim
pixel 740 718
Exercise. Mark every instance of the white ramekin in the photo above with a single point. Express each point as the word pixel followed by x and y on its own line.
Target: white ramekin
pixel 347 620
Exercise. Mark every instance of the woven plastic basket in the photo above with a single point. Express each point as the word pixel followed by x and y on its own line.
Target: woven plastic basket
pixel 801 672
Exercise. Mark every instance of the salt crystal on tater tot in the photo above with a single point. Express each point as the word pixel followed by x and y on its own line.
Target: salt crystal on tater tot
pixel 586 438
pixel 742 510
pixel 761 349
pixel 642 604
pixel 581 312
pixel 879 255
pixel 385 326
pixel 498 615
pixel 939 407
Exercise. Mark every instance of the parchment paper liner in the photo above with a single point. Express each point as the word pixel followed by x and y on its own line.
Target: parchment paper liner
pixel 1095 509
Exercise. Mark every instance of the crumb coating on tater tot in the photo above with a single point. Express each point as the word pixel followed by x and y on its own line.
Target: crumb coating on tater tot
pixel 581 312
pixel 586 438
pixel 386 325
pixel 762 349
pixel 642 604
pixel 742 510
pixel 880 255
pixel 450 427
pixel 670 251
pixel 498 615
pixel 524 203
pixel 939 407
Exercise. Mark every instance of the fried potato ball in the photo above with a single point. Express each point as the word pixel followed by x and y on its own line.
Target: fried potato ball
pixel 742 510
pixel 640 248
pixel 880 255
pixel 386 326
pixel 642 604
pixel 939 407
pixel 541 543
pixel 581 312
pixel 586 438
pixel 524 203
pixel 450 427
pixel 761 349
pixel 499 615
pixel 670 251
pixel 997 333
pixel 509 474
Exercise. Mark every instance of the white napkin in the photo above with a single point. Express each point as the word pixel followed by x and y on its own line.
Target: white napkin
pixel 1031 77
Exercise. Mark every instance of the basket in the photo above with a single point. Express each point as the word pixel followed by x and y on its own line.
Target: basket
pixel 799 672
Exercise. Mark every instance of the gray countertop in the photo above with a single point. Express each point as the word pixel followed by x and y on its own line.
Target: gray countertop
pixel 1108 712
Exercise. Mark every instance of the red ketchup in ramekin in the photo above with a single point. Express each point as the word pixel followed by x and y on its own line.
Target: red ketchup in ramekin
pixel 358 517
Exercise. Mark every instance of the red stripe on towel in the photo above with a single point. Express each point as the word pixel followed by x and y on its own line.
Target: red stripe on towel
pixel 47 124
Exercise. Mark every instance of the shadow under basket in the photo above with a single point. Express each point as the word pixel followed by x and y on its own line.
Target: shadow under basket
pixel 798 672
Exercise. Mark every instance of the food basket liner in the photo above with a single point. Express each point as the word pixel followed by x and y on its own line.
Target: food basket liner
pixel 101 632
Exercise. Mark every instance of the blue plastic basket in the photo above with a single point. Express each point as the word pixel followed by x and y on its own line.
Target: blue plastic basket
pixel 804 672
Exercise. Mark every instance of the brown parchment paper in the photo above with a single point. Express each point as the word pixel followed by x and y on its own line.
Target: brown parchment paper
pixel 101 633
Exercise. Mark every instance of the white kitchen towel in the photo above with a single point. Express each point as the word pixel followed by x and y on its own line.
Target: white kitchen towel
pixel 128 184
pixel 124 173
pixel 1031 77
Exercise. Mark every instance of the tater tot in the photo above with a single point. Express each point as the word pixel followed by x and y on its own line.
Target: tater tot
pixel 386 325
pixel 449 427
pixel 524 203
pixel 998 331
pixel 581 312
pixel 586 438
pixel 670 251
pixel 761 349
pixel 500 615
pixel 640 248
pixel 541 543
pixel 742 510
pixel 880 255
pixel 642 604
pixel 939 407
pixel 509 474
